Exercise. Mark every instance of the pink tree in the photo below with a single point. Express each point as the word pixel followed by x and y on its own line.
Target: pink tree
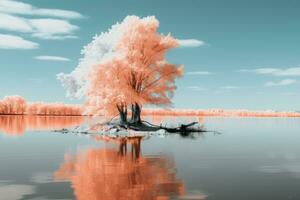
pixel 130 71
pixel 13 105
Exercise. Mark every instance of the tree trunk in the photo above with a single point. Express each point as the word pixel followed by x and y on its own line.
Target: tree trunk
pixel 123 117
pixel 123 114
pixel 135 114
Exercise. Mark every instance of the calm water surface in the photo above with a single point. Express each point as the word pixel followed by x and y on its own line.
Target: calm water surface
pixel 252 158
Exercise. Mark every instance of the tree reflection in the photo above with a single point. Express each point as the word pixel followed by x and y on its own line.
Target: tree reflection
pixel 120 173
pixel 18 124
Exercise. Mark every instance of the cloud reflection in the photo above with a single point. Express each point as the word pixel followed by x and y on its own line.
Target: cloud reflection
pixel 15 191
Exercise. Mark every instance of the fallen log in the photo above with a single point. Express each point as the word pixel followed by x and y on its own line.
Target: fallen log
pixel 115 127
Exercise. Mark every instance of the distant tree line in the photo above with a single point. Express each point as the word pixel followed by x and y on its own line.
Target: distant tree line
pixel 17 105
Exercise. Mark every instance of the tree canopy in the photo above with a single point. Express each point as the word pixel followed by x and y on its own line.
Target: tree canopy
pixel 125 68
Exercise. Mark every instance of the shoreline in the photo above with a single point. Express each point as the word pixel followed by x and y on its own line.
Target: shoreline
pixel 219 113
pixel 190 113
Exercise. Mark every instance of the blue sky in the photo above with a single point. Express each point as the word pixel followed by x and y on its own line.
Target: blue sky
pixel 250 58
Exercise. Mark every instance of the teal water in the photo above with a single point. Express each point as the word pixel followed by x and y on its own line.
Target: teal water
pixel 252 158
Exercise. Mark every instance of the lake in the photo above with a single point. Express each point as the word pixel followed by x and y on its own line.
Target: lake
pixel 251 158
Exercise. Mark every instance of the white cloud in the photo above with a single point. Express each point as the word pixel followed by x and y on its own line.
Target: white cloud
pixel 14 7
pixel 199 73
pixel 16 42
pixel 191 43
pixel 197 88
pixel 52 58
pixel 229 87
pixel 41 28
pixel 293 71
pixel 13 23
pixel 281 83
pixel 54 37
pixel 52 28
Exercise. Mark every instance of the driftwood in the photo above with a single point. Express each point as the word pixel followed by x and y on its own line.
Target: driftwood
pixel 116 126
pixel 144 126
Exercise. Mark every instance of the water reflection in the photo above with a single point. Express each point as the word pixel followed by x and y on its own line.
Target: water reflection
pixel 15 191
pixel 167 119
pixel 121 173
pixel 18 124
